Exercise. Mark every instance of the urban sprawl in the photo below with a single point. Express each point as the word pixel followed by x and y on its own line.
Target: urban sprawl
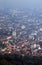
pixel 21 32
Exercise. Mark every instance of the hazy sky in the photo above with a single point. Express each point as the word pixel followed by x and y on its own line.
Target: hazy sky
pixel 21 4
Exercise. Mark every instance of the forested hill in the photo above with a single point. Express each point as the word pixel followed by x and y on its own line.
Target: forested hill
pixel 15 59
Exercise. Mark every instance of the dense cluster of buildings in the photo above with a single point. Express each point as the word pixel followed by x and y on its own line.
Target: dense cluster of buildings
pixel 20 32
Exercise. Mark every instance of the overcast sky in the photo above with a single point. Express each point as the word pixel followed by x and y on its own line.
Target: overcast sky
pixel 21 4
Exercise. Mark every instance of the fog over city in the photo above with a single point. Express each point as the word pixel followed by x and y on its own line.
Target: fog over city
pixel 21 4
pixel 20 32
